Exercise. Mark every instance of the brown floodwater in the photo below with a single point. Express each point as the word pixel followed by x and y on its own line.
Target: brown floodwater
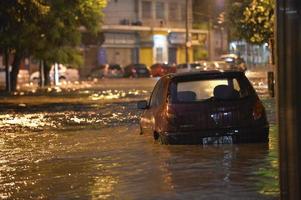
pixel 70 149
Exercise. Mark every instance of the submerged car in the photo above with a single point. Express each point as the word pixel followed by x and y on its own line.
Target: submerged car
pixel 207 107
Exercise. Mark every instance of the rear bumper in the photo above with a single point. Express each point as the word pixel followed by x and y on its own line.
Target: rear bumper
pixel 239 135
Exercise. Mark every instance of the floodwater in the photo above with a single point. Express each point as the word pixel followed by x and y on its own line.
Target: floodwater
pixel 89 147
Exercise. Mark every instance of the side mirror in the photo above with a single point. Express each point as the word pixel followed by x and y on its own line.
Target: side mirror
pixel 142 105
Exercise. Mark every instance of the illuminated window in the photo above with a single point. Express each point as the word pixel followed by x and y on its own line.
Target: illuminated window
pixel 159 54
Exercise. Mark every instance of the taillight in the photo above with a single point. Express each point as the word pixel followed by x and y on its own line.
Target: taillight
pixel 258 110
pixel 133 70
pixel 170 114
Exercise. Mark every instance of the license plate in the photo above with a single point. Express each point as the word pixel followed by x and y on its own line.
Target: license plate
pixel 218 140
pixel 142 70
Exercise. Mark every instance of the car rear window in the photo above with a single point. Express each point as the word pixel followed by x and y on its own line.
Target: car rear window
pixel 200 90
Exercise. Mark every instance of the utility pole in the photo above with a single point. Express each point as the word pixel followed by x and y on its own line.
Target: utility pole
pixel 288 94
pixel 187 44
pixel 209 38
pixel 209 32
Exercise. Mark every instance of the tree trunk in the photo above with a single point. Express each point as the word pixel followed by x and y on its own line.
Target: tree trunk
pixel 46 73
pixel 15 71
pixel 6 63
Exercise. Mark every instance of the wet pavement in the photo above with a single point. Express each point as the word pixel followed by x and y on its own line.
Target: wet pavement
pixel 84 143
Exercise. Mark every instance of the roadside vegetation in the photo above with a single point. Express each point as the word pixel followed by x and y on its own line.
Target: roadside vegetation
pixel 47 30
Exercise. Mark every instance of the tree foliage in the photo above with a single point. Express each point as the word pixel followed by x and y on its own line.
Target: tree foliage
pixel 49 30
pixel 258 21
pixel 234 15
pixel 61 30
pixel 18 26
pixel 251 20
pixel 18 21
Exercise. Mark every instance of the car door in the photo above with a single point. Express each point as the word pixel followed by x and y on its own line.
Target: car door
pixel 151 114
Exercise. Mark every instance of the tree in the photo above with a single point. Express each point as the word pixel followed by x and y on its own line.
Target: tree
pixel 205 10
pixel 61 31
pixel 17 24
pixel 234 17
pixel 258 21
pixel 49 30
pixel 251 20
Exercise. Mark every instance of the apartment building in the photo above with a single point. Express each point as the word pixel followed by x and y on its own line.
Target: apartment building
pixel 147 31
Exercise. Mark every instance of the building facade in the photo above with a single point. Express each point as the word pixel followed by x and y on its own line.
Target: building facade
pixel 147 31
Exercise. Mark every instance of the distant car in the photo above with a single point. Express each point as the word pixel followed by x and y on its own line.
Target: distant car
pixel 136 70
pixel 64 73
pixel 108 70
pixel 160 69
pixel 2 77
pixel 23 77
pixel 184 67
pixel 97 72
pixel 217 65
pixel 207 107
pixel 235 61
pixel 113 71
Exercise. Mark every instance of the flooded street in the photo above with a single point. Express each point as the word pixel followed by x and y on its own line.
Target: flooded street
pixel 86 145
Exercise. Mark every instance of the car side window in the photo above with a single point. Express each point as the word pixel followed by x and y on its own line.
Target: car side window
pixel 157 97
pixel 152 102
pixel 160 96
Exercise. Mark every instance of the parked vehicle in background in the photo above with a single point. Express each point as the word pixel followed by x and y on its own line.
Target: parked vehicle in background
pixel 64 73
pixel 23 77
pixel 136 71
pixel 207 107
pixel 184 67
pixel 216 65
pixel 234 60
pixel 113 71
pixel 2 77
pixel 161 69
pixel 97 72
pixel 107 70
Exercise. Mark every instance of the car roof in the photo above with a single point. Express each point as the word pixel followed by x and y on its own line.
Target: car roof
pixel 206 74
pixel 231 55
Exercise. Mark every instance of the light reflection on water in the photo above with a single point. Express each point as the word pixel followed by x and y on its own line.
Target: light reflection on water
pixel 71 116
pixel 118 163
pixel 94 151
